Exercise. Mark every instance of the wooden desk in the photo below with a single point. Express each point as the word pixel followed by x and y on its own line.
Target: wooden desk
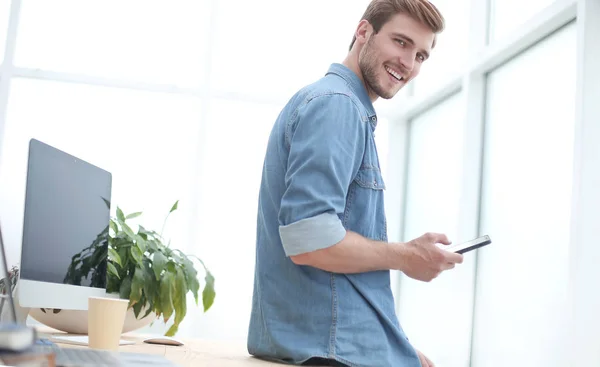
pixel 194 352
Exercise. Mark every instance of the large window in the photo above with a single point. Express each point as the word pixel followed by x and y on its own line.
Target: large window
pixel 146 140
pixel 522 279
pixel 287 60
pixel 436 316
pixel 144 41
pixel 506 16
pixel 4 13
pixel 499 158
pixel 450 54
pixel 230 176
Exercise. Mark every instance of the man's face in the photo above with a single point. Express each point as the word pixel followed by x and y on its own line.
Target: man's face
pixel 393 56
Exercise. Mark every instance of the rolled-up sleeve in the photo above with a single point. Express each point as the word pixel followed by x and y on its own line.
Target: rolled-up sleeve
pixel 326 144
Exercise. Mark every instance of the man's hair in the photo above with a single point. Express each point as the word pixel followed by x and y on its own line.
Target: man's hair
pixel 379 12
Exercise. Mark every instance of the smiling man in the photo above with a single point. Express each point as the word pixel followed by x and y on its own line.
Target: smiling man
pixel 322 292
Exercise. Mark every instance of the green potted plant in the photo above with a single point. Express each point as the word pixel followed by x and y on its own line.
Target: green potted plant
pixel 143 268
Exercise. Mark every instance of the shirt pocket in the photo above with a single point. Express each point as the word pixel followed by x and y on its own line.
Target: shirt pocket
pixel 365 213
pixel 370 178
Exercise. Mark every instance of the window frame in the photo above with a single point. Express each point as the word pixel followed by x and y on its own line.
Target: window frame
pixel 583 323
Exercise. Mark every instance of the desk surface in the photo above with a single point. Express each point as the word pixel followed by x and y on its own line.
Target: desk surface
pixel 194 352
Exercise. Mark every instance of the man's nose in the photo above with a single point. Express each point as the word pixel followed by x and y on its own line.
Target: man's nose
pixel 407 61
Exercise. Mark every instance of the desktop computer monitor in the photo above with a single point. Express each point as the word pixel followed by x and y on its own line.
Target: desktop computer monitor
pixel 65 230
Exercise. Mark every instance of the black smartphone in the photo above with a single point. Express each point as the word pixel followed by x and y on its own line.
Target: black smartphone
pixel 461 248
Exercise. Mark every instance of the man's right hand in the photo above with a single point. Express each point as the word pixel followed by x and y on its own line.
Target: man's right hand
pixel 422 259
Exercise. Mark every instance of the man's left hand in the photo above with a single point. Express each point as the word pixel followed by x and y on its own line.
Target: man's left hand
pixel 425 362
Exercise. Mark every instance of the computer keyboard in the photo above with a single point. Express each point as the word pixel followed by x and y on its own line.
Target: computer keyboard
pixel 77 357
pixel 71 357
pixel 84 357
pixel 44 341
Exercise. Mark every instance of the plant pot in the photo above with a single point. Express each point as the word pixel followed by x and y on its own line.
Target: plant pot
pixel 76 321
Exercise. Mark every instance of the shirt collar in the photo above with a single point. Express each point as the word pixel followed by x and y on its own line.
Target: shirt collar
pixel 357 87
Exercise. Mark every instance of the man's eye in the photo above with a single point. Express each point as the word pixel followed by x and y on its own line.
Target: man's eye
pixel 421 57
pixel 401 42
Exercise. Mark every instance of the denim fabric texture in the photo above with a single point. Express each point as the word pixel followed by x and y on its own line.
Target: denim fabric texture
pixel 321 176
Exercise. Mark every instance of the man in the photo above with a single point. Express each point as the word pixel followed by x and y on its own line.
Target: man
pixel 322 291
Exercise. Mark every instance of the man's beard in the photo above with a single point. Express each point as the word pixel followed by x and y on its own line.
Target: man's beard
pixel 367 63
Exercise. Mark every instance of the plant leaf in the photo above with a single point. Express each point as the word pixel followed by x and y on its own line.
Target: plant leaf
pixel 137 285
pixel 141 242
pixel 128 231
pixel 171 267
pixel 106 202
pixel 208 294
pixel 113 270
pixel 151 284
pixel 172 330
pixel 137 307
pixel 166 302
pixel 113 255
pixel 114 226
pixel 137 255
pixel 158 263
pixel 133 215
pixel 179 300
pixel 120 215
pixel 123 255
pixel 148 233
pixel 125 289
pixel 148 310
pixel 152 246
pixel 174 207
pixel 191 275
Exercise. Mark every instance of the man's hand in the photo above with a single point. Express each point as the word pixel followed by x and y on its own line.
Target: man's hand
pixel 425 362
pixel 423 260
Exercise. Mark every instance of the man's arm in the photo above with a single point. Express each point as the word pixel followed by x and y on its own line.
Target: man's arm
pixel 420 258
pixel 326 148
pixel 353 254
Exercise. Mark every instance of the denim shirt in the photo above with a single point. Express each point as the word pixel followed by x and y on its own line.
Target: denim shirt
pixel 321 177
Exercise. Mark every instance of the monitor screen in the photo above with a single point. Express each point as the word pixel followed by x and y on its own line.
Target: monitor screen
pixel 67 213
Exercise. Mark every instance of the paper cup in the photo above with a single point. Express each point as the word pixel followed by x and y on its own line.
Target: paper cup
pixel 105 322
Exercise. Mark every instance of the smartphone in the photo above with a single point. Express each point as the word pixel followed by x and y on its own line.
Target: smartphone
pixel 461 248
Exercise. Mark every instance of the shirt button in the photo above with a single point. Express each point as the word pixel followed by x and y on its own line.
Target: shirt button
pixel 373 118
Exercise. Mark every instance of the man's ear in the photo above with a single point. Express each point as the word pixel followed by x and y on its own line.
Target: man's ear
pixel 363 31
